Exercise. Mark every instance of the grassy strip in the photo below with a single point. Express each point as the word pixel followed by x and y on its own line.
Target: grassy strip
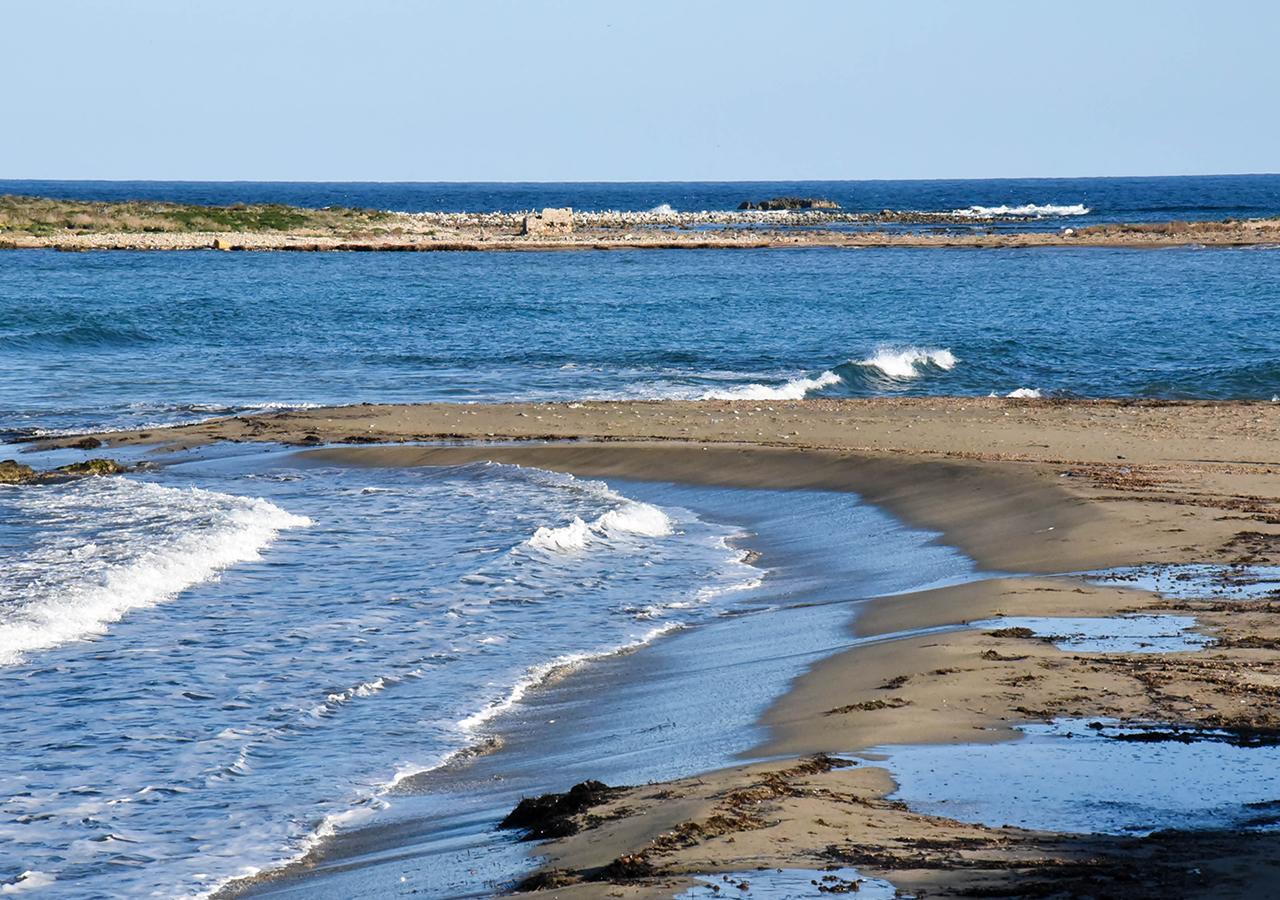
pixel 43 215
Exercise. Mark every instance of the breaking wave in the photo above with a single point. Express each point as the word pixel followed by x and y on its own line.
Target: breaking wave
pixel 795 389
pixel 632 518
pixel 116 545
pixel 908 362
pixel 1034 210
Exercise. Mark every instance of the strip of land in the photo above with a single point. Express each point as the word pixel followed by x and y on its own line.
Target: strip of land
pixel 1033 487
pixel 44 223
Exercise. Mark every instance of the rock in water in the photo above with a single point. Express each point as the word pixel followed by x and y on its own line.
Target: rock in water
pixel 14 472
pixel 776 203
pixel 93 467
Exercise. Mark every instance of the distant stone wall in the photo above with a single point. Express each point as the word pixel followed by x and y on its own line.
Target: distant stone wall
pixel 552 220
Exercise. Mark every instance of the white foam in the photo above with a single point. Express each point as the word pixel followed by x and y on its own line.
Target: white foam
pixel 908 362
pixel 1025 394
pixel 632 517
pixel 535 675
pixel 115 545
pixel 574 536
pixel 29 880
pixel 635 518
pixel 1035 210
pixel 795 389
pixel 663 209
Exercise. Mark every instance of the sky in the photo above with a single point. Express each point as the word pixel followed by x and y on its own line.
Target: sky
pixel 488 90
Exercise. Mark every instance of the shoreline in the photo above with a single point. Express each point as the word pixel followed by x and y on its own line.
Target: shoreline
pixel 1021 486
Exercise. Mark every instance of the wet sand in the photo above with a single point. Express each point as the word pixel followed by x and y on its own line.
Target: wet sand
pixel 1026 487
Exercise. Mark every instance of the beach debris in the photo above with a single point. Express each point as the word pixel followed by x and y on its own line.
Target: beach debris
pixel 869 705
pixel 551 220
pixel 554 815
pixel 546 880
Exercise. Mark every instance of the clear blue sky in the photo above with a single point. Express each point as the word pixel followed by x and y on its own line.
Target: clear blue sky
pixel 392 90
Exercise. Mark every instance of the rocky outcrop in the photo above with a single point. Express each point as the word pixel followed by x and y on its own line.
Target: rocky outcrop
pixel 93 467
pixel 552 220
pixel 14 472
pixel 776 203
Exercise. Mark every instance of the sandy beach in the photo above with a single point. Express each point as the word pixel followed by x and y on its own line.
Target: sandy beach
pixel 1028 487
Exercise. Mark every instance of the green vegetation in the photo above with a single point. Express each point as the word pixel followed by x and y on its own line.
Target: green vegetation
pixel 43 216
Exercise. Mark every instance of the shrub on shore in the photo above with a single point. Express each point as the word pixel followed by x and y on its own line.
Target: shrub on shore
pixel 44 215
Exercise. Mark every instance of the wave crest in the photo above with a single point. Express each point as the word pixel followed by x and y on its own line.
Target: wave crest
pixel 795 389
pixel 76 582
pixel 632 518
pixel 1034 210
pixel 908 362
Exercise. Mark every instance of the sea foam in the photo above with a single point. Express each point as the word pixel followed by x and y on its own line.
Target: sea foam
pixel 908 362
pixel 795 389
pixel 631 518
pixel 1034 210
pixel 115 545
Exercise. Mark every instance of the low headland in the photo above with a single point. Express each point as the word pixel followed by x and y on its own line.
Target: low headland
pixel 1031 487
pixel 71 225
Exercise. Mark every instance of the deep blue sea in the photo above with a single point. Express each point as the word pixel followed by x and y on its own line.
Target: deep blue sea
pixel 238 653
pixel 1105 199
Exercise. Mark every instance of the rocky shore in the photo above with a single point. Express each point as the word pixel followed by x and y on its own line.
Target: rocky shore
pixel 35 223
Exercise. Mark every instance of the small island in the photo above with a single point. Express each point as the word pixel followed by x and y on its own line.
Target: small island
pixel 72 225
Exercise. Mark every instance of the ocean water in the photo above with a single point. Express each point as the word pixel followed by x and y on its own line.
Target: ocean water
pixel 124 339
pixel 1076 200
pixel 210 664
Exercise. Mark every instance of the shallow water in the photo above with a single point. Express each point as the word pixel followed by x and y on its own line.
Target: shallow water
pixel 201 636
pixel 1070 777
pixel 787 884
pixel 1109 634
pixel 687 703
pixel 1196 582
pixel 195 649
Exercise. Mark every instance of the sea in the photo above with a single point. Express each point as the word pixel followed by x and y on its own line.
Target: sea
pixel 231 657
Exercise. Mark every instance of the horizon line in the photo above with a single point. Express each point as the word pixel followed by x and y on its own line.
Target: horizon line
pixel 641 181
